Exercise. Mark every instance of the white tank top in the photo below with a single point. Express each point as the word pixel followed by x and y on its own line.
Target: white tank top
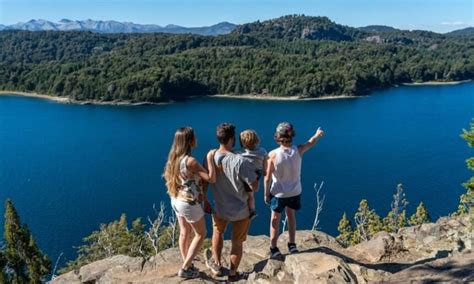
pixel 286 178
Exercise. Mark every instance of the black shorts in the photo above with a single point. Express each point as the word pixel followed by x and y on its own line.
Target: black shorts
pixel 278 204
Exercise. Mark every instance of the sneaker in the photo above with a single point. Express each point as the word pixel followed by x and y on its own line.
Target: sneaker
pixel 194 268
pixel 292 248
pixel 189 273
pixel 216 270
pixel 237 277
pixel 253 215
pixel 275 253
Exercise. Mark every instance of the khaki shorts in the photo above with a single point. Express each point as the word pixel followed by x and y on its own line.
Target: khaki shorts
pixel 240 228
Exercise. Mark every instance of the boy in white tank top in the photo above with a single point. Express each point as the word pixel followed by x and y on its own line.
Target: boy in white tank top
pixel 283 182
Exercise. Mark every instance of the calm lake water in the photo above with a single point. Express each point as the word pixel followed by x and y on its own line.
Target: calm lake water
pixel 69 168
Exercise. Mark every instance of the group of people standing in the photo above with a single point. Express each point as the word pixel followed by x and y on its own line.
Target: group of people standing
pixel 233 177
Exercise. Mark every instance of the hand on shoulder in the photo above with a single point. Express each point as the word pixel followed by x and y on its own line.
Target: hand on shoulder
pixel 191 162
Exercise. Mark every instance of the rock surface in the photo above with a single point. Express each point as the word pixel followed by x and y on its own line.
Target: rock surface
pixel 440 251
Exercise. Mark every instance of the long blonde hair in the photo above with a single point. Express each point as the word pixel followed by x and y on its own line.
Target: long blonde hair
pixel 183 142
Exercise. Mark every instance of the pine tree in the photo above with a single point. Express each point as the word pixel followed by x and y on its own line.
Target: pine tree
pixel 421 216
pixel 38 265
pixel 466 200
pixel 375 224
pixel 112 239
pixel 3 264
pixel 396 218
pixel 402 219
pixel 388 222
pixel 14 240
pixel 138 243
pixel 368 223
pixel 22 259
pixel 345 231
pixel 356 237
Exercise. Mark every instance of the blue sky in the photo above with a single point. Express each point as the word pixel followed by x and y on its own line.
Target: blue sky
pixel 436 15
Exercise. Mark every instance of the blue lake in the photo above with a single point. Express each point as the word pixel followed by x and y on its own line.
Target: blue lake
pixel 69 168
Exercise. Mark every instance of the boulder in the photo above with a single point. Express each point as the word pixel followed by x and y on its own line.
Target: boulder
pixel 381 247
pixel 319 267
pixel 445 237
pixel 95 271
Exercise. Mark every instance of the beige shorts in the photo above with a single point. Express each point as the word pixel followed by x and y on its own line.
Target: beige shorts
pixel 192 213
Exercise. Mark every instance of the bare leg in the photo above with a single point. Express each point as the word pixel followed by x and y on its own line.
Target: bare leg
pixel 291 224
pixel 251 201
pixel 217 245
pixel 184 235
pixel 199 229
pixel 235 257
pixel 274 228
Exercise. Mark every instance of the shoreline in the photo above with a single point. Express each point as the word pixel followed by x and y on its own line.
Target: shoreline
pixel 435 83
pixel 274 98
pixel 67 100
pixel 36 95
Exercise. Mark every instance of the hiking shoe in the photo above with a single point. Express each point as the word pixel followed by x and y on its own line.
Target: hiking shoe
pixel 237 277
pixel 275 253
pixel 194 268
pixel 189 273
pixel 253 215
pixel 292 248
pixel 216 270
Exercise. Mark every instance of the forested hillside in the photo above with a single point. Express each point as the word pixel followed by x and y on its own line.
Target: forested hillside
pixel 289 56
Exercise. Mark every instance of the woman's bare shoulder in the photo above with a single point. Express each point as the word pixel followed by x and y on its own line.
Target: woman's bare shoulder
pixel 191 161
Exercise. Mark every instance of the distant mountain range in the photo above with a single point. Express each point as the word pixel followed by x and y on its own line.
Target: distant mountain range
pixel 217 29
pixel 465 31
pixel 388 29
pixel 117 27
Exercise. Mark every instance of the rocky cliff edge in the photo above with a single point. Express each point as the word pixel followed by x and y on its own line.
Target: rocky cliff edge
pixel 440 251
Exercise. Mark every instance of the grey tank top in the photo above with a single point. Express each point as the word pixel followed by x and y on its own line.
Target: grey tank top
pixel 229 192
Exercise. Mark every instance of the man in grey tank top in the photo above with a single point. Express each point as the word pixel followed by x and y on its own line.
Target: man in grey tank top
pixel 232 173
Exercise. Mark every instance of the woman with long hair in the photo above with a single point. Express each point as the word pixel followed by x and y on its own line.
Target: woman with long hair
pixel 184 179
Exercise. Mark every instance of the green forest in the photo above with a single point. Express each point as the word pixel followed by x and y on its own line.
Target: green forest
pixel 289 56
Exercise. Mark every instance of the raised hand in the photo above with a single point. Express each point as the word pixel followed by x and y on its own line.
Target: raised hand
pixel 319 133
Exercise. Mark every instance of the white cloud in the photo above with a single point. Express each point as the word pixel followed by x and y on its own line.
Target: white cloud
pixel 454 24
